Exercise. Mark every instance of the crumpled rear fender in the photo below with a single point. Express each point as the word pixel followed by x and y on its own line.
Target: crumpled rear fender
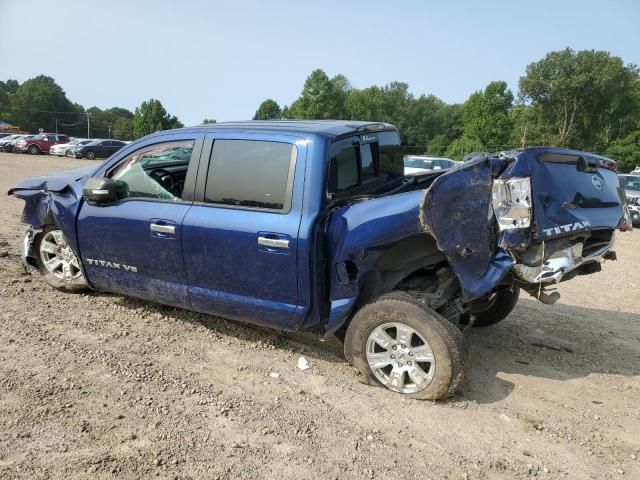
pixel 455 211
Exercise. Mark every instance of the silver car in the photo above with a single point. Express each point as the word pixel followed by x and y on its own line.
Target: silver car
pixel 631 185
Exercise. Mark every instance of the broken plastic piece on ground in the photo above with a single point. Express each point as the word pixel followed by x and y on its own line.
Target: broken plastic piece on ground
pixel 303 364
pixel 274 375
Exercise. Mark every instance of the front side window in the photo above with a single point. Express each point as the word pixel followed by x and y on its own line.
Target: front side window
pixel 157 172
pixel 251 173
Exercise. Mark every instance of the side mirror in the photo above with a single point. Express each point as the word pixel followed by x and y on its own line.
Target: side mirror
pixel 101 191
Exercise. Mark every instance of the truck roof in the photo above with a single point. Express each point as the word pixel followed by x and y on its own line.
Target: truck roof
pixel 326 128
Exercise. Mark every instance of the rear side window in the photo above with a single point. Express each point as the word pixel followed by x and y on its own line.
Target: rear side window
pixel 251 173
pixel 346 162
pixel 365 162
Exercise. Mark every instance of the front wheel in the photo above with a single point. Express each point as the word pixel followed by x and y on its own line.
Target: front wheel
pixel 57 262
pixel 91 155
pixel 33 150
pixel 404 346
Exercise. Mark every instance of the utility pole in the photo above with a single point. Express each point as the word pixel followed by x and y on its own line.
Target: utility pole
pixel 56 125
pixel 88 114
pixel 109 131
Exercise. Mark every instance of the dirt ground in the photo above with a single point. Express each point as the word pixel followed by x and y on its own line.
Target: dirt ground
pixel 97 385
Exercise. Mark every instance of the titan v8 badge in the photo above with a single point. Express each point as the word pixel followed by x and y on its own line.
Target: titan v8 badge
pixel 114 265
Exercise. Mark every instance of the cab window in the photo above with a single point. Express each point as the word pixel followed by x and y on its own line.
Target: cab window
pixel 155 172
pixel 251 174
pixel 364 163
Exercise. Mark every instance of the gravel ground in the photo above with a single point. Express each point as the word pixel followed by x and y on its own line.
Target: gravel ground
pixel 97 385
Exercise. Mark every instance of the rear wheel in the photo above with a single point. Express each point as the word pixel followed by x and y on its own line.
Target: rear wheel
pixel 404 346
pixel 504 302
pixel 33 150
pixel 57 262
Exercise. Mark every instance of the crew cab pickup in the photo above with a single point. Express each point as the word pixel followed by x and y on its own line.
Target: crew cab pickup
pixel 312 225
pixel 39 143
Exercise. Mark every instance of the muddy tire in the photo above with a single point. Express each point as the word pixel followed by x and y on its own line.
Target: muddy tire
pixel 505 301
pixel 56 261
pixel 398 343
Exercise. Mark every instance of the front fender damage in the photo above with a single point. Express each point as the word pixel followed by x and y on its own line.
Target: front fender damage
pixel 49 203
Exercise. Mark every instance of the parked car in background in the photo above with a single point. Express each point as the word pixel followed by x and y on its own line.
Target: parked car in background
pixel 97 149
pixel 39 143
pixel 11 145
pixel 61 149
pixel 416 164
pixel 631 185
pixel 4 141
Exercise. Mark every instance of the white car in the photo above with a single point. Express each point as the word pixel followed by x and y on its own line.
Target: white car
pixel 61 149
pixel 418 164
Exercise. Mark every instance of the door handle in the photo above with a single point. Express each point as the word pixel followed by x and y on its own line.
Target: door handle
pixel 156 227
pixel 273 242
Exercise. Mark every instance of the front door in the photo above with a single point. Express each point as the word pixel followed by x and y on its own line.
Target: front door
pixel 240 238
pixel 134 246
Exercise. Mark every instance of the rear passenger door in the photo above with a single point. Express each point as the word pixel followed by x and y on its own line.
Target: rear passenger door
pixel 240 237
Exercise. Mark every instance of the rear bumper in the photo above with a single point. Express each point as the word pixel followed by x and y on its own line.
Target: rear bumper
pixel 563 263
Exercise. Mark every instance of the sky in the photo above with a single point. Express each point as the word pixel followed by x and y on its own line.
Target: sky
pixel 220 59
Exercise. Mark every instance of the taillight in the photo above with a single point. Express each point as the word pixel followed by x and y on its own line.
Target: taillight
pixel 511 201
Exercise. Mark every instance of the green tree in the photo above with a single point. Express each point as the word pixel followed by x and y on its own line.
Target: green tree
pixel 150 117
pixel 584 99
pixel 437 145
pixel 486 116
pixel 463 146
pixel 319 98
pixel 33 102
pixel 123 128
pixel 625 151
pixel 208 121
pixel 268 110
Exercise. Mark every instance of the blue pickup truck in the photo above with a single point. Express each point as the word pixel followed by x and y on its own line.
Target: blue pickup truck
pixel 312 225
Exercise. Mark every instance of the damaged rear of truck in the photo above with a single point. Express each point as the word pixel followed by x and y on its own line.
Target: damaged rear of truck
pixel 394 266
pixel 466 241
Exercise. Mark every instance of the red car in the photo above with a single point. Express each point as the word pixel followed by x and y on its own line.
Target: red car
pixel 40 143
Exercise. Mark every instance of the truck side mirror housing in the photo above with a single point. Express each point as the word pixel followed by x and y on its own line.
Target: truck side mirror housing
pixel 101 191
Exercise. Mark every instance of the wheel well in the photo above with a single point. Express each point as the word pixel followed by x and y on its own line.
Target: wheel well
pixel 398 262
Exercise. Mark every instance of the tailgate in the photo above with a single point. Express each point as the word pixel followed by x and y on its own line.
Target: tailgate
pixel 573 192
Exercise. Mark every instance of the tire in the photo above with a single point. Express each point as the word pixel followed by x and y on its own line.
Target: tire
pixel 33 150
pixel 505 301
pixel 413 331
pixel 51 244
pixel 90 156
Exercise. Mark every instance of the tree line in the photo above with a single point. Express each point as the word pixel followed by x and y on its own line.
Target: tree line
pixel 41 103
pixel 585 100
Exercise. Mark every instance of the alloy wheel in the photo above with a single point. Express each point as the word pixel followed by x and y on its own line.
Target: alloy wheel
pixel 57 256
pixel 400 358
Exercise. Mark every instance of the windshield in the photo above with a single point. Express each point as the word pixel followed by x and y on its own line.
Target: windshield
pixel 417 163
pixel 428 163
pixel 631 183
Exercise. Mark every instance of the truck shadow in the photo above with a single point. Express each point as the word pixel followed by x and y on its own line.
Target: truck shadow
pixel 560 342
